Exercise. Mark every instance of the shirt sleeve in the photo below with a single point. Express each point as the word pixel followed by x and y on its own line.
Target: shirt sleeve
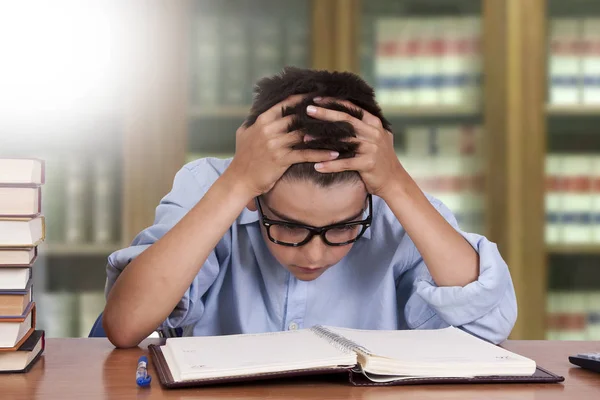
pixel 486 307
pixel 186 192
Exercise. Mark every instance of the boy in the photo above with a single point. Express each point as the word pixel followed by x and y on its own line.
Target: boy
pixel 313 221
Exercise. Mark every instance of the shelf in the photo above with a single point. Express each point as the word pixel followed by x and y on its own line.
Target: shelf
pixel 389 111
pixel 573 249
pixel 83 249
pixel 582 110
pixel 431 111
pixel 220 111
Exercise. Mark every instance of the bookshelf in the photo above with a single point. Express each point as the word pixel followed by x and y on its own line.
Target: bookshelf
pixel 573 111
pixel 62 249
pixel 574 249
pixel 164 115
pixel 432 111
pixel 573 147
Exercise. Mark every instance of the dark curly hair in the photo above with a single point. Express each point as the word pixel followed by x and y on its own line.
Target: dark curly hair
pixel 340 85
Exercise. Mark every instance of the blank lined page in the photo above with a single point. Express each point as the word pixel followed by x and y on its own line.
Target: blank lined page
pixel 446 345
pixel 232 355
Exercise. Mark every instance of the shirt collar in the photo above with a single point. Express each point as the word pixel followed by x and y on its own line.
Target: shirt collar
pixel 249 217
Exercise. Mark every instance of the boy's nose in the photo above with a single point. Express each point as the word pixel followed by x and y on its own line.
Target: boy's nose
pixel 315 250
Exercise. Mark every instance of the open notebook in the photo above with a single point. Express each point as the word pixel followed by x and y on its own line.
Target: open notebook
pixel 369 357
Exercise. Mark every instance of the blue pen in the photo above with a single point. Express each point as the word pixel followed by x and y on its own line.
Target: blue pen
pixel 141 374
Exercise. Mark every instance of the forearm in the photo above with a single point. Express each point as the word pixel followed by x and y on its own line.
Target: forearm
pixel 449 257
pixel 150 287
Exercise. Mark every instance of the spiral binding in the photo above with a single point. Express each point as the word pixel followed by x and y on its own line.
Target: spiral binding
pixel 338 341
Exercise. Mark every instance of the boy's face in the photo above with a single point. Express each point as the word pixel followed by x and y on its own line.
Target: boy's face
pixel 306 203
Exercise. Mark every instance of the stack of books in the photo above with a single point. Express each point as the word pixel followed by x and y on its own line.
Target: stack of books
pixel 22 229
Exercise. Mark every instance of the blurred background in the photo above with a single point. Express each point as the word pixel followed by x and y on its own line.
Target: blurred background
pixel 495 108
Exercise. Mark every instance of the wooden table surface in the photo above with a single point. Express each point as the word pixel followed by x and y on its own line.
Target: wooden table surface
pixel 94 369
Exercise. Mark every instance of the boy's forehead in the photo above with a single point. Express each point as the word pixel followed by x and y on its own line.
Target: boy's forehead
pixel 313 205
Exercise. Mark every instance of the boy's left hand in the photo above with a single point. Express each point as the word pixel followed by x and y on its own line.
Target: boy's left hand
pixel 376 159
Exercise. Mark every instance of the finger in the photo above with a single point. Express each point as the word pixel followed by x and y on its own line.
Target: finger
pixel 274 112
pixel 362 130
pixel 289 139
pixel 345 164
pixel 367 118
pixel 279 126
pixel 316 156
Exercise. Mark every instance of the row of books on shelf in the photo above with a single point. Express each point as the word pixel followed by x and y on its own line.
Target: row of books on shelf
pixel 446 162
pixel 574 61
pixel 21 344
pixel 572 199
pixel 573 315
pixel 233 49
pixel 423 61
pixel 82 198
pixel 69 313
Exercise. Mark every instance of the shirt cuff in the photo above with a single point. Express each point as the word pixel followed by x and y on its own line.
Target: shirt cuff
pixel 462 305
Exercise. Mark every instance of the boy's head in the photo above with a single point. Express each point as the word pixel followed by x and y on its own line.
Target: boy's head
pixel 304 195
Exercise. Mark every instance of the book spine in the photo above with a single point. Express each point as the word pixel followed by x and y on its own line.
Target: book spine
pixel 91 304
pixel 595 178
pixel 577 201
pixel 553 323
pixel 574 316
pixel 58 313
pixel 385 61
pixel 472 60
pixel 234 57
pixel 565 62
pixel 367 49
pixel 554 197
pixel 593 316
pixel 75 201
pixel 404 33
pixel 266 57
pixel 53 204
pixel 103 204
pixel 206 69
pixel 427 57
pixel 296 35
pixel 591 61
pixel 451 63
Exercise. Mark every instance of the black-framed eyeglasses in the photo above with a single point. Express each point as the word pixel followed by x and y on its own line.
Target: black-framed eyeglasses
pixel 295 235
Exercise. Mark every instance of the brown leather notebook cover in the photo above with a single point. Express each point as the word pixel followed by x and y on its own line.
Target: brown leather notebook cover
pixel 355 378
pixel 165 377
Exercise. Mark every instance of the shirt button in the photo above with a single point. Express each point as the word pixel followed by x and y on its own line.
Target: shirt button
pixel 293 326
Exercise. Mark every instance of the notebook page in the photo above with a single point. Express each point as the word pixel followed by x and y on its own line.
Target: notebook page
pixel 233 355
pixel 439 351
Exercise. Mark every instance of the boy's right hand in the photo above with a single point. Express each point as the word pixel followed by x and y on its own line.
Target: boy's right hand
pixel 263 151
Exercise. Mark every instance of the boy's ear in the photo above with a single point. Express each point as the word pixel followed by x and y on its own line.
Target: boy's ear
pixel 251 205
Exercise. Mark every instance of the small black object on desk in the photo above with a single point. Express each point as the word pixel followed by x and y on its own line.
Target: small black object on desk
pixel 589 361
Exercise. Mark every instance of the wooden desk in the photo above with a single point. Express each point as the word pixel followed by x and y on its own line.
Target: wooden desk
pixel 93 369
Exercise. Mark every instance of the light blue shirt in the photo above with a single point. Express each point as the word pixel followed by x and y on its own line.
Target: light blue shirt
pixel 382 283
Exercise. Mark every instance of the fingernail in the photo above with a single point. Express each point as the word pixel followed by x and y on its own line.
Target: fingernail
pixel 318 165
pixel 334 154
pixel 317 98
pixel 311 109
pixel 308 138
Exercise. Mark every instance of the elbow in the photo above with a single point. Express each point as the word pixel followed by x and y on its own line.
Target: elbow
pixel 120 335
